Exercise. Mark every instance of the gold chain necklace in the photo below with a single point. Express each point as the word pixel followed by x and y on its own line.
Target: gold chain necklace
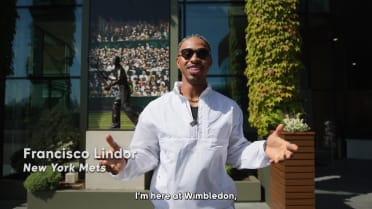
pixel 190 100
pixel 194 101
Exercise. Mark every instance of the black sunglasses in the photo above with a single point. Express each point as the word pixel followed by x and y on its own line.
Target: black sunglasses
pixel 201 53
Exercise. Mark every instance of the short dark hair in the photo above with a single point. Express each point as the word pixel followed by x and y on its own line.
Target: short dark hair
pixel 197 36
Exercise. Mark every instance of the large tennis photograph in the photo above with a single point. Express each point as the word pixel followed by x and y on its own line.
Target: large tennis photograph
pixel 128 60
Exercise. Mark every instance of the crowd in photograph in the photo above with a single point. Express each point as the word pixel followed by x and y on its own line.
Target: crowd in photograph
pixel 144 57
pixel 147 70
pixel 113 31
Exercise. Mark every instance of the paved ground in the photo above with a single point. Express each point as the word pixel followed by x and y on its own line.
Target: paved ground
pixel 343 184
pixel 13 204
pixel 253 205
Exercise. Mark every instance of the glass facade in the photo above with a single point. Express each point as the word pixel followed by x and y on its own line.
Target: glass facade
pixel 45 79
pixel 223 23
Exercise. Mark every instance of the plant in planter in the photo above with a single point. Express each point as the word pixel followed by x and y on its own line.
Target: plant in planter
pixel 54 131
pixel 292 181
pixel 43 181
pixel 273 69
pixel 295 124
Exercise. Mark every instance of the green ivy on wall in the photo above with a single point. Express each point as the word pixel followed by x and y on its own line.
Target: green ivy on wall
pixel 273 61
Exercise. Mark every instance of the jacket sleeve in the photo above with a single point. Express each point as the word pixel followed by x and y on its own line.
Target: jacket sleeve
pixel 241 153
pixel 144 146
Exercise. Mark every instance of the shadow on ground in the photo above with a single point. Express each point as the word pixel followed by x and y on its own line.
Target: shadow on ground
pixel 344 184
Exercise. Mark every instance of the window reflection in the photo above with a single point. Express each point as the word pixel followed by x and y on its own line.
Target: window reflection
pixel 22 43
pixel 223 23
pixel 45 46
pixel 42 95
pixel 228 43
pixel 27 101
pixel 47 2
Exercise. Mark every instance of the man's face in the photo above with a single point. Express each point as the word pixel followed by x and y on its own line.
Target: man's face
pixel 194 61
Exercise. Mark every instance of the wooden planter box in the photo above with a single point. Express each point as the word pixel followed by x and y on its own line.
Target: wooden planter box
pixel 292 181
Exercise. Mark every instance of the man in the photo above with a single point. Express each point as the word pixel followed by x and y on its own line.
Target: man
pixel 188 136
pixel 119 78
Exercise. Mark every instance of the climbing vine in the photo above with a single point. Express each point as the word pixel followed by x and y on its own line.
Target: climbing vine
pixel 273 61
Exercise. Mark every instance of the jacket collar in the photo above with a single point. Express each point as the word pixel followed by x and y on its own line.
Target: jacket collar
pixel 178 84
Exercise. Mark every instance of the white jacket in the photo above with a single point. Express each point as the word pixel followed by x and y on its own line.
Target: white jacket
pixel 191 159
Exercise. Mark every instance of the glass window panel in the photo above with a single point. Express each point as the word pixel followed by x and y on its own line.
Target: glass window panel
pixel 22 43
pixel 230 19
pixel 228 45
pixel 227 1
pixel 75 66
pixel 41 94
pixel 47 2
pixel 45 46
pixel 27 102
pixel 74 97
pixel 319 6
pixel 220 84
pixel 231 86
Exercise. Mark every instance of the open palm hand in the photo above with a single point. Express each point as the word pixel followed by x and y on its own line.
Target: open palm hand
pixel 278 149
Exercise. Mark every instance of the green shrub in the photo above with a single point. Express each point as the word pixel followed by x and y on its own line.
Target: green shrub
pixel 43 181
